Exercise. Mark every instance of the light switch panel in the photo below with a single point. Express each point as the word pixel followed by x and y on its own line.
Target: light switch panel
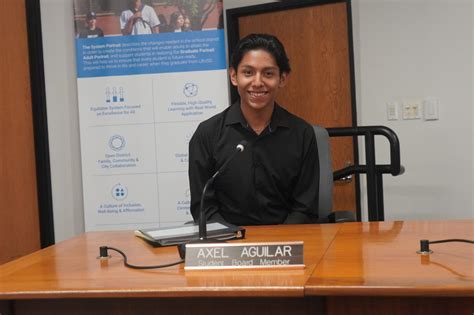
pixel 392 111
pixel 431 108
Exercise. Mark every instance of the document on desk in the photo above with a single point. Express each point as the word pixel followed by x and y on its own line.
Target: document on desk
pixel 181 234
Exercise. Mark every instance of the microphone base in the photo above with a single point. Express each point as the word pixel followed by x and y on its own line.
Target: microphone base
pixel 182 247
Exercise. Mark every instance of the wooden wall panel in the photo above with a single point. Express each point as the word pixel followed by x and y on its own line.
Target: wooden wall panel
pixel 19 222
pixel 319 89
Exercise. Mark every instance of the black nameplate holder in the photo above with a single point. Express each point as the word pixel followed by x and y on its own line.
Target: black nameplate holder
pixel 206 256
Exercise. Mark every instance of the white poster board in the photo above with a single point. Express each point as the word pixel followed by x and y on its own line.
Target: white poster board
pixel 140 99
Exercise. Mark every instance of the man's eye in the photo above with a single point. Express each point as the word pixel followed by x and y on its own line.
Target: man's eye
pixel 269 74
pixel 247 72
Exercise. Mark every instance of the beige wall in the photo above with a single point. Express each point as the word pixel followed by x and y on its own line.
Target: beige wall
pixel 388 25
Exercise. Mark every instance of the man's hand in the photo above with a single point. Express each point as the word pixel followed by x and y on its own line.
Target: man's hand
pixel 137 15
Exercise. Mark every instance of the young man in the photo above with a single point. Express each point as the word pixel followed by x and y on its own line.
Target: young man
pixel 91 30
pixel 275 179
pixel 139 19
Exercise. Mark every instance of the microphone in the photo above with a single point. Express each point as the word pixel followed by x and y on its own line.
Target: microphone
pixel 202 218
pixel 425 244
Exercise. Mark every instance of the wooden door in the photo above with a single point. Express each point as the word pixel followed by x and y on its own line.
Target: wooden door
pixel 319 88
pixel 19 219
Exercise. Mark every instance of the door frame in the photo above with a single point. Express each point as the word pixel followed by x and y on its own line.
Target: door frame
pixel 40 122
pixel 232 21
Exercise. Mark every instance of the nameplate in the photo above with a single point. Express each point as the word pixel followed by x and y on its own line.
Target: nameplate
pixel 244 255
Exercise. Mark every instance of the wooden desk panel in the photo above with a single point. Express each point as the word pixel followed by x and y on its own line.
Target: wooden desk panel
pixel 379 258
pixel 70 269
pixel 355 268
pixel 373 268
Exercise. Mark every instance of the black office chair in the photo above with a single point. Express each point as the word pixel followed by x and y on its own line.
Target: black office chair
pixel 373 170
pixel 326 182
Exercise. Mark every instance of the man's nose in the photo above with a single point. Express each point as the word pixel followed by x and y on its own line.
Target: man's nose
pixel 258 79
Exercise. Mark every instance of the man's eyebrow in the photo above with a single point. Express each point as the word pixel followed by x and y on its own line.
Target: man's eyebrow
pixel 264 69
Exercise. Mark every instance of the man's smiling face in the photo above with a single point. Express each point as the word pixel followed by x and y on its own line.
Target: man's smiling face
pixel 257 79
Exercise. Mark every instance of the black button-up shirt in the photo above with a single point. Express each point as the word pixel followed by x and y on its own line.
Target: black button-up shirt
pixel 274 180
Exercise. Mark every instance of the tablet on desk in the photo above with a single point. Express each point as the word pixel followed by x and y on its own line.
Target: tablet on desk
pixel 181 234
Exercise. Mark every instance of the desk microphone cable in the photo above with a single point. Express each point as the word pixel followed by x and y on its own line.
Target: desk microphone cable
pixel 425 244
pixel 104 254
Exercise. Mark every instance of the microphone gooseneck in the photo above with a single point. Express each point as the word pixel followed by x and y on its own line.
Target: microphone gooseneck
pixel 202 217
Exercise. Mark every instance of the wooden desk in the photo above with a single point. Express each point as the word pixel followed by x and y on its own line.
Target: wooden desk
pixel 356 268
pixel 373 268
pixel 68 279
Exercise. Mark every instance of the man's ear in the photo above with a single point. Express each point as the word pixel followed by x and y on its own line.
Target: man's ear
pixel 233 76
pixel 283 79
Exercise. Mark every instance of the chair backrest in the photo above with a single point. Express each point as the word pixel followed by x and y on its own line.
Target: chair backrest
pixel 325 173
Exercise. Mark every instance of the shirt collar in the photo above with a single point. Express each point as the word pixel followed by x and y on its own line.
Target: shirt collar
pixel 279 117
pixel 235 116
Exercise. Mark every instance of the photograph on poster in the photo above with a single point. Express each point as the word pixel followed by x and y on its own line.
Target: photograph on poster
pixel 97 18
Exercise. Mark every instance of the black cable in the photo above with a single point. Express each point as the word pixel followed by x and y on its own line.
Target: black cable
pixel 425 244
pixel 452 240
pixel 104 254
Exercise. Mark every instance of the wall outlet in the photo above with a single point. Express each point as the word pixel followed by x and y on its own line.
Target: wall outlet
pixel 411 109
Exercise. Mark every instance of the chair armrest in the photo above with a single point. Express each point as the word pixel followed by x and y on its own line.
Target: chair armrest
pixel 341 216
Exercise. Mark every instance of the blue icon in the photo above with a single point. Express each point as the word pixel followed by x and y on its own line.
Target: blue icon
pixel 107 95
pixel 121 94
pixel 116 142
pixel 190 89
pixel 119 192
pixel 114 94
